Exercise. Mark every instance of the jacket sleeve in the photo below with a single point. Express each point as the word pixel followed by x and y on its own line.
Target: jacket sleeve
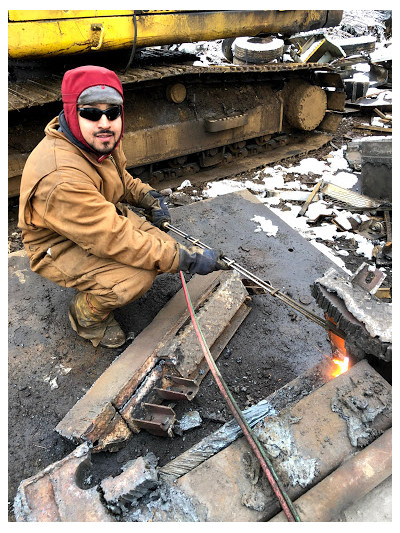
pixel 135 189
pixel 76 210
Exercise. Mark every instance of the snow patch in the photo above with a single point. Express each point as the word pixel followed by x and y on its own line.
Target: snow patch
pixel 218 188
pixel 265 225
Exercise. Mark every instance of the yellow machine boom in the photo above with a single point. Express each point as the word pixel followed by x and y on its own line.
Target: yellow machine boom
pixel 35 34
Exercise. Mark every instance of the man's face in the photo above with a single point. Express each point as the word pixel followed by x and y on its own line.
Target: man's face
pixel 101 135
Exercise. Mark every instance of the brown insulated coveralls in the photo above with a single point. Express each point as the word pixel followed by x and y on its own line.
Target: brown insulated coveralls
pixel 74 232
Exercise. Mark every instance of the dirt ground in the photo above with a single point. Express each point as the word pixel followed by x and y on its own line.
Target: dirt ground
pixel 61 367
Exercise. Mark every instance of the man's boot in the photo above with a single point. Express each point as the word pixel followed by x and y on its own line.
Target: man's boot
pixel 92 322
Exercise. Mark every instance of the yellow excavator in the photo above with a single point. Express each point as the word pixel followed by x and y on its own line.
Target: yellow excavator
pixel 180 117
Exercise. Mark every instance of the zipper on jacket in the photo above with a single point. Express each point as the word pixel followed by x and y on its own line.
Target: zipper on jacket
pixel 118 170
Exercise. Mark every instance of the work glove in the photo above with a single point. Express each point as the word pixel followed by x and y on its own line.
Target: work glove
pixel 156 210
pixel 195 260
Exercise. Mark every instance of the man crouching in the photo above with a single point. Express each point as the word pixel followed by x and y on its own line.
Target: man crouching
pixel 75 229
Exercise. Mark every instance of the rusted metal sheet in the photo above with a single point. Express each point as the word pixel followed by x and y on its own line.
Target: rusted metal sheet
pixel 56 494
pixel 182 355
pixel 106 431
pixel 306 441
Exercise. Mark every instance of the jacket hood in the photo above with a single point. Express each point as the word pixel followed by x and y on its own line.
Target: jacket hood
pixel 77 80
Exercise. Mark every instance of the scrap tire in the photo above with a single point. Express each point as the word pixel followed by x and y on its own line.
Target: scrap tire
pixel 226 47
pixel 258 49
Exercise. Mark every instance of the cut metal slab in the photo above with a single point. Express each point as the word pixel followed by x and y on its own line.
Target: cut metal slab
pixel 355 478
pixel 57 493
pixel 371 313
pixel 305 442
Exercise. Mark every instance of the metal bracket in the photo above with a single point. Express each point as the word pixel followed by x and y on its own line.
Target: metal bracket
pixel 369 280
pixel 177 388
pixel 160 420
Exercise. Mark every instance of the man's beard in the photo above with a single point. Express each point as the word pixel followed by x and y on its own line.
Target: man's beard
pixel 107 147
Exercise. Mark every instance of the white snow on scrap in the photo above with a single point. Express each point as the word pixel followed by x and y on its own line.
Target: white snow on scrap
pixel 335 170
pixel 342 179
pixel 309 165
pixel 265 225
pixel 185 183
pixel 218 188
pixel 318 208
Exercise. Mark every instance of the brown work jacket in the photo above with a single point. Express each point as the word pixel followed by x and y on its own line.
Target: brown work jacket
pixel 67 197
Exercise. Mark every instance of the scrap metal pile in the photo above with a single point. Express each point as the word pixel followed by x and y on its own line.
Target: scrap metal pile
pixel 326 435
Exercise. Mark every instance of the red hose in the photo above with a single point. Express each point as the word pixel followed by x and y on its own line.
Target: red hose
pixel 286 504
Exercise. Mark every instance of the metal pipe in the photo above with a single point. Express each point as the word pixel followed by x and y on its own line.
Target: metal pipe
pixel 351 481
pixel 261 283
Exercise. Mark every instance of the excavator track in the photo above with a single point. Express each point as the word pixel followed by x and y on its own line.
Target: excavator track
pixel 182 118
pixel 34 90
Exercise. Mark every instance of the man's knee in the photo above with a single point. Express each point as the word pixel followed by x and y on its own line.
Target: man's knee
pixel 114 284
pixel 133 287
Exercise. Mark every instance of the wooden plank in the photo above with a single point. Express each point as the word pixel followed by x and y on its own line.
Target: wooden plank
pixel 309 199
pixel 373 128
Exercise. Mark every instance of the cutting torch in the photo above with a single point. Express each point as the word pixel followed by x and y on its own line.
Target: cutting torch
pixel 265 285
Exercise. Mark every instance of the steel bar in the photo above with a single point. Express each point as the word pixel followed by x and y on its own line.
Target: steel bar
pixel 261 283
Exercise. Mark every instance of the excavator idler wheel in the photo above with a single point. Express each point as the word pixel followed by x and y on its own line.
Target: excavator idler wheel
pixel 304 105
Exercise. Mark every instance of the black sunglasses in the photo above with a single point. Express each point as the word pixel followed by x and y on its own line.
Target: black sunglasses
pixel 94 114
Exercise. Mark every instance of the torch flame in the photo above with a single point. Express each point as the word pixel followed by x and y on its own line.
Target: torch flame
pixel 342 363
pixel 340 357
